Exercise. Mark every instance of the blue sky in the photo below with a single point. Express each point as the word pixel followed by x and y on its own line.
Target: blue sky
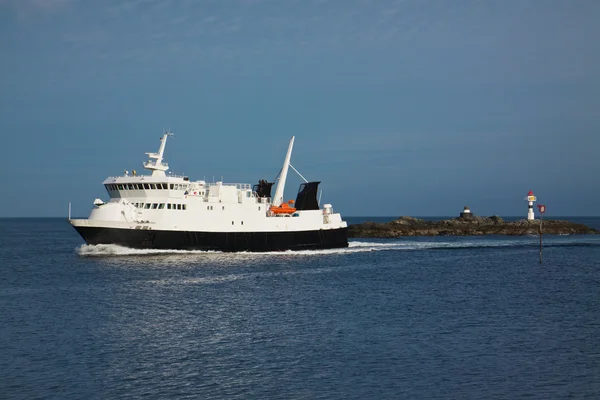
pixel 398 107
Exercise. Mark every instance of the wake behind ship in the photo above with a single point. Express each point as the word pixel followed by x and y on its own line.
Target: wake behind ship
pixel 157 211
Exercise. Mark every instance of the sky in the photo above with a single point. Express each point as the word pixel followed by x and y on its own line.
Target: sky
pixel 399 107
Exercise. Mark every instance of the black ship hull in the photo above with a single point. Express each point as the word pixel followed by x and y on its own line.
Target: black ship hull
pixel 218 241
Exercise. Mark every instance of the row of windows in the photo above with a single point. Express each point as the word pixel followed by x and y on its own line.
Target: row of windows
pixel 160 206
pixel 169 206
pixel 145 186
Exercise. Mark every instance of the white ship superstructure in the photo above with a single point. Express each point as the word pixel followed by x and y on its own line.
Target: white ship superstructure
pixel 171 212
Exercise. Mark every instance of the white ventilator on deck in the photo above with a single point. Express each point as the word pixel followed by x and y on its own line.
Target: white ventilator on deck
pixel 278 199
pixel 157 166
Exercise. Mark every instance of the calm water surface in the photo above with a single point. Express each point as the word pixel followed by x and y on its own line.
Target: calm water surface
pixel 470 317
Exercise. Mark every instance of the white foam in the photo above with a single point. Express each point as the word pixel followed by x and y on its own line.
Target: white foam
pixel 102 250
pixel 354 246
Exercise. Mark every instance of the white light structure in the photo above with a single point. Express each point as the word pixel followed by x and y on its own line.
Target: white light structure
pixel 530 198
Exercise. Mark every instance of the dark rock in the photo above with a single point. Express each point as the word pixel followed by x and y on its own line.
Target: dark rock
pixel 494 225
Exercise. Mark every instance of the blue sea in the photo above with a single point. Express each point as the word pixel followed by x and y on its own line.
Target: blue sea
pixel 414 318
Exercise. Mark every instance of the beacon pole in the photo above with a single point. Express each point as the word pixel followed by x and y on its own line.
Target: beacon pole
pixel 542 209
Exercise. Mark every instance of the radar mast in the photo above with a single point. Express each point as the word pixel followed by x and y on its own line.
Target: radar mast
pixel 156 164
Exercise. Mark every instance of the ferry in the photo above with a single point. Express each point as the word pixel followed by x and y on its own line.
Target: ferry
pixel 160 211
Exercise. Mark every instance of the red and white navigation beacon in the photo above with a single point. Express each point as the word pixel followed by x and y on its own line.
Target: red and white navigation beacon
pixel 530 199
pixel 542 208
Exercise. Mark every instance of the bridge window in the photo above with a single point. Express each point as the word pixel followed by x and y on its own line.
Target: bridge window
pixel 184 206
pixel 161 206
pixel 154 206
pixel 147 206
pixel 146 186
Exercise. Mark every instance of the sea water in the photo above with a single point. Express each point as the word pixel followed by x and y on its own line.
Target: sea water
pixel 440 317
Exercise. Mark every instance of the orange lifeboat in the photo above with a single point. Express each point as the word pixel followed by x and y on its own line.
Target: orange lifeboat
pixel 284 208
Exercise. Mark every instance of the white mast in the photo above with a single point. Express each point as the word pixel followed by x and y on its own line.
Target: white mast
pixel 278 199
pixel 157 167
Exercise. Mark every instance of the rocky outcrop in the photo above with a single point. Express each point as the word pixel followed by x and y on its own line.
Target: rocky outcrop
pixel 470 226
